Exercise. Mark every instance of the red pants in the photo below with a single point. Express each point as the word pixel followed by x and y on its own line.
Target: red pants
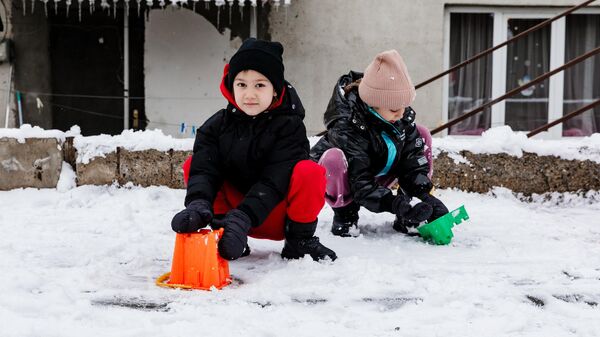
pixel 304 200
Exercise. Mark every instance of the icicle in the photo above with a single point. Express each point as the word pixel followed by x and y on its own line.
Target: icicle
pixel 45 7
pixel 139 4
pixel 162 4
pixel 241 6
pixel 229 5
pixel 80 2
pixel 194 5
pixel 56 7
pixel 91 3
pixel 149 4
pixel 115 9
pixel 218 17
pixel 68 6
pixel 32 6
pixel 127 7
pixel 105 6
pixel 24 7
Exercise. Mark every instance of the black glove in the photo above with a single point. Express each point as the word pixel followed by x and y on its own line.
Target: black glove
pixel 410 216
pixel 235 236
pixel 198 214
pixel 439 209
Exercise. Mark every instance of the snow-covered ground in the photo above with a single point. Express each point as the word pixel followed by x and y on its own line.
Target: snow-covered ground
pixel 82 262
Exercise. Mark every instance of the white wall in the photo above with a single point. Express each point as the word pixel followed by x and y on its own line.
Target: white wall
pixel 5 72
pixel 183 65
pixel 324 39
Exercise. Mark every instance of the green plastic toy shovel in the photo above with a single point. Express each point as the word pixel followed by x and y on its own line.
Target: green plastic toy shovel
pixel 440 231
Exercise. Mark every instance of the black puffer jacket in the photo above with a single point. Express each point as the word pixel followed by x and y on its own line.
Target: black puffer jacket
pixel 255 154
pixel 358 132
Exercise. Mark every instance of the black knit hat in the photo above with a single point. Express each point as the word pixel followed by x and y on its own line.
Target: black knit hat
pixel 259 55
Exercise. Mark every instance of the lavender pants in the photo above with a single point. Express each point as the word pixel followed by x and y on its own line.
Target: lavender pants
pixel 338 193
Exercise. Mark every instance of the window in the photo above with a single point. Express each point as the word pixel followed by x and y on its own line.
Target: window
pixel 472 31
pixel 471 85
pixel 527 58
pixel 582 81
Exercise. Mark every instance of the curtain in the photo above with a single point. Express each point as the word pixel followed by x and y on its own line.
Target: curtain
pixel 527 58
pixel 582 81
pixel 470 86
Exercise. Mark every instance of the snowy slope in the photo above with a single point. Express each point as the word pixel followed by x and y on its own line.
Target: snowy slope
pixel 82 262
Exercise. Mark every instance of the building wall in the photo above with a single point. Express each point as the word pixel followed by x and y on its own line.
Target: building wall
pixel 183 65
pixel 324 39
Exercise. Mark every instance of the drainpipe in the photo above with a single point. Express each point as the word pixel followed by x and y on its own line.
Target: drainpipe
pixel 125 68
pixel 8 96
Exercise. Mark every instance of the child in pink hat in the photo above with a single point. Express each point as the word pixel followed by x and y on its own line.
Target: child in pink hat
pixel 371 143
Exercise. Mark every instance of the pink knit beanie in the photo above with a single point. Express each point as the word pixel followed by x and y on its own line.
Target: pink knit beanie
pixel 386 83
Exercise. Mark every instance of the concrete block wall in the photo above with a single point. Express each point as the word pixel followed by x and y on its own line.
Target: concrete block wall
pixel 37 163
pixel 144 168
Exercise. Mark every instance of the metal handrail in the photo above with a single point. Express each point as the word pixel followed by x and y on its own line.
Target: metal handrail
pixel 490 50
pixel 564 118
pixel 516 90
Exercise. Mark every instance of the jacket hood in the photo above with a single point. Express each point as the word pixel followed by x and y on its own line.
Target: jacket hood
pixel 288 103
pixel 342 104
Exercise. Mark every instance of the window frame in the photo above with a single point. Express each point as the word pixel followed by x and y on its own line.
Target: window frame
pixel 501 15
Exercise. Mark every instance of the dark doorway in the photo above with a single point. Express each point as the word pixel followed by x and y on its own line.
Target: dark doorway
pixel 86 57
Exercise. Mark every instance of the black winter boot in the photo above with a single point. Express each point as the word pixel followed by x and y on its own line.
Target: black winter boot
pixel 344 219
pixel 300 240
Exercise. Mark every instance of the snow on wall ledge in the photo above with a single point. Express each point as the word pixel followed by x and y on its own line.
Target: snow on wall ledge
pixel 498 158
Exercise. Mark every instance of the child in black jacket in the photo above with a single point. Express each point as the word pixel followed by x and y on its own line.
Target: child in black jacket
pixel 250 172
pixel 371 143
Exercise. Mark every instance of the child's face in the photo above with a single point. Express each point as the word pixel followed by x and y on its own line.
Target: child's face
pixel 253 92
pixel 389 115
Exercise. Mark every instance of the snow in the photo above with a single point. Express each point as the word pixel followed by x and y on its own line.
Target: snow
pixel 503 140
pixel 67 179
pixel 28 131
pixel 82 261
pixel 496 140
pixel 98 146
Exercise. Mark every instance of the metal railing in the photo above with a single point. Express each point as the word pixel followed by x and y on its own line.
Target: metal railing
pixel 520 88
pixel 515 90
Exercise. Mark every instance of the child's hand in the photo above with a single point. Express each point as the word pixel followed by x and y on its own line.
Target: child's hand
pixel 411 216
pixel 437 205
pixel 235 236
pixel 198 214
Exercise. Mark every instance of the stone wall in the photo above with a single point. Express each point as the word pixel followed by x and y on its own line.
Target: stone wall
pixel 37 163
pixel 144 168
pixel 528 174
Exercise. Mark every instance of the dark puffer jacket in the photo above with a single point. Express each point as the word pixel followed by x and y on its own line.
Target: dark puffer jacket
pixel 255 154
pixel 360 133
